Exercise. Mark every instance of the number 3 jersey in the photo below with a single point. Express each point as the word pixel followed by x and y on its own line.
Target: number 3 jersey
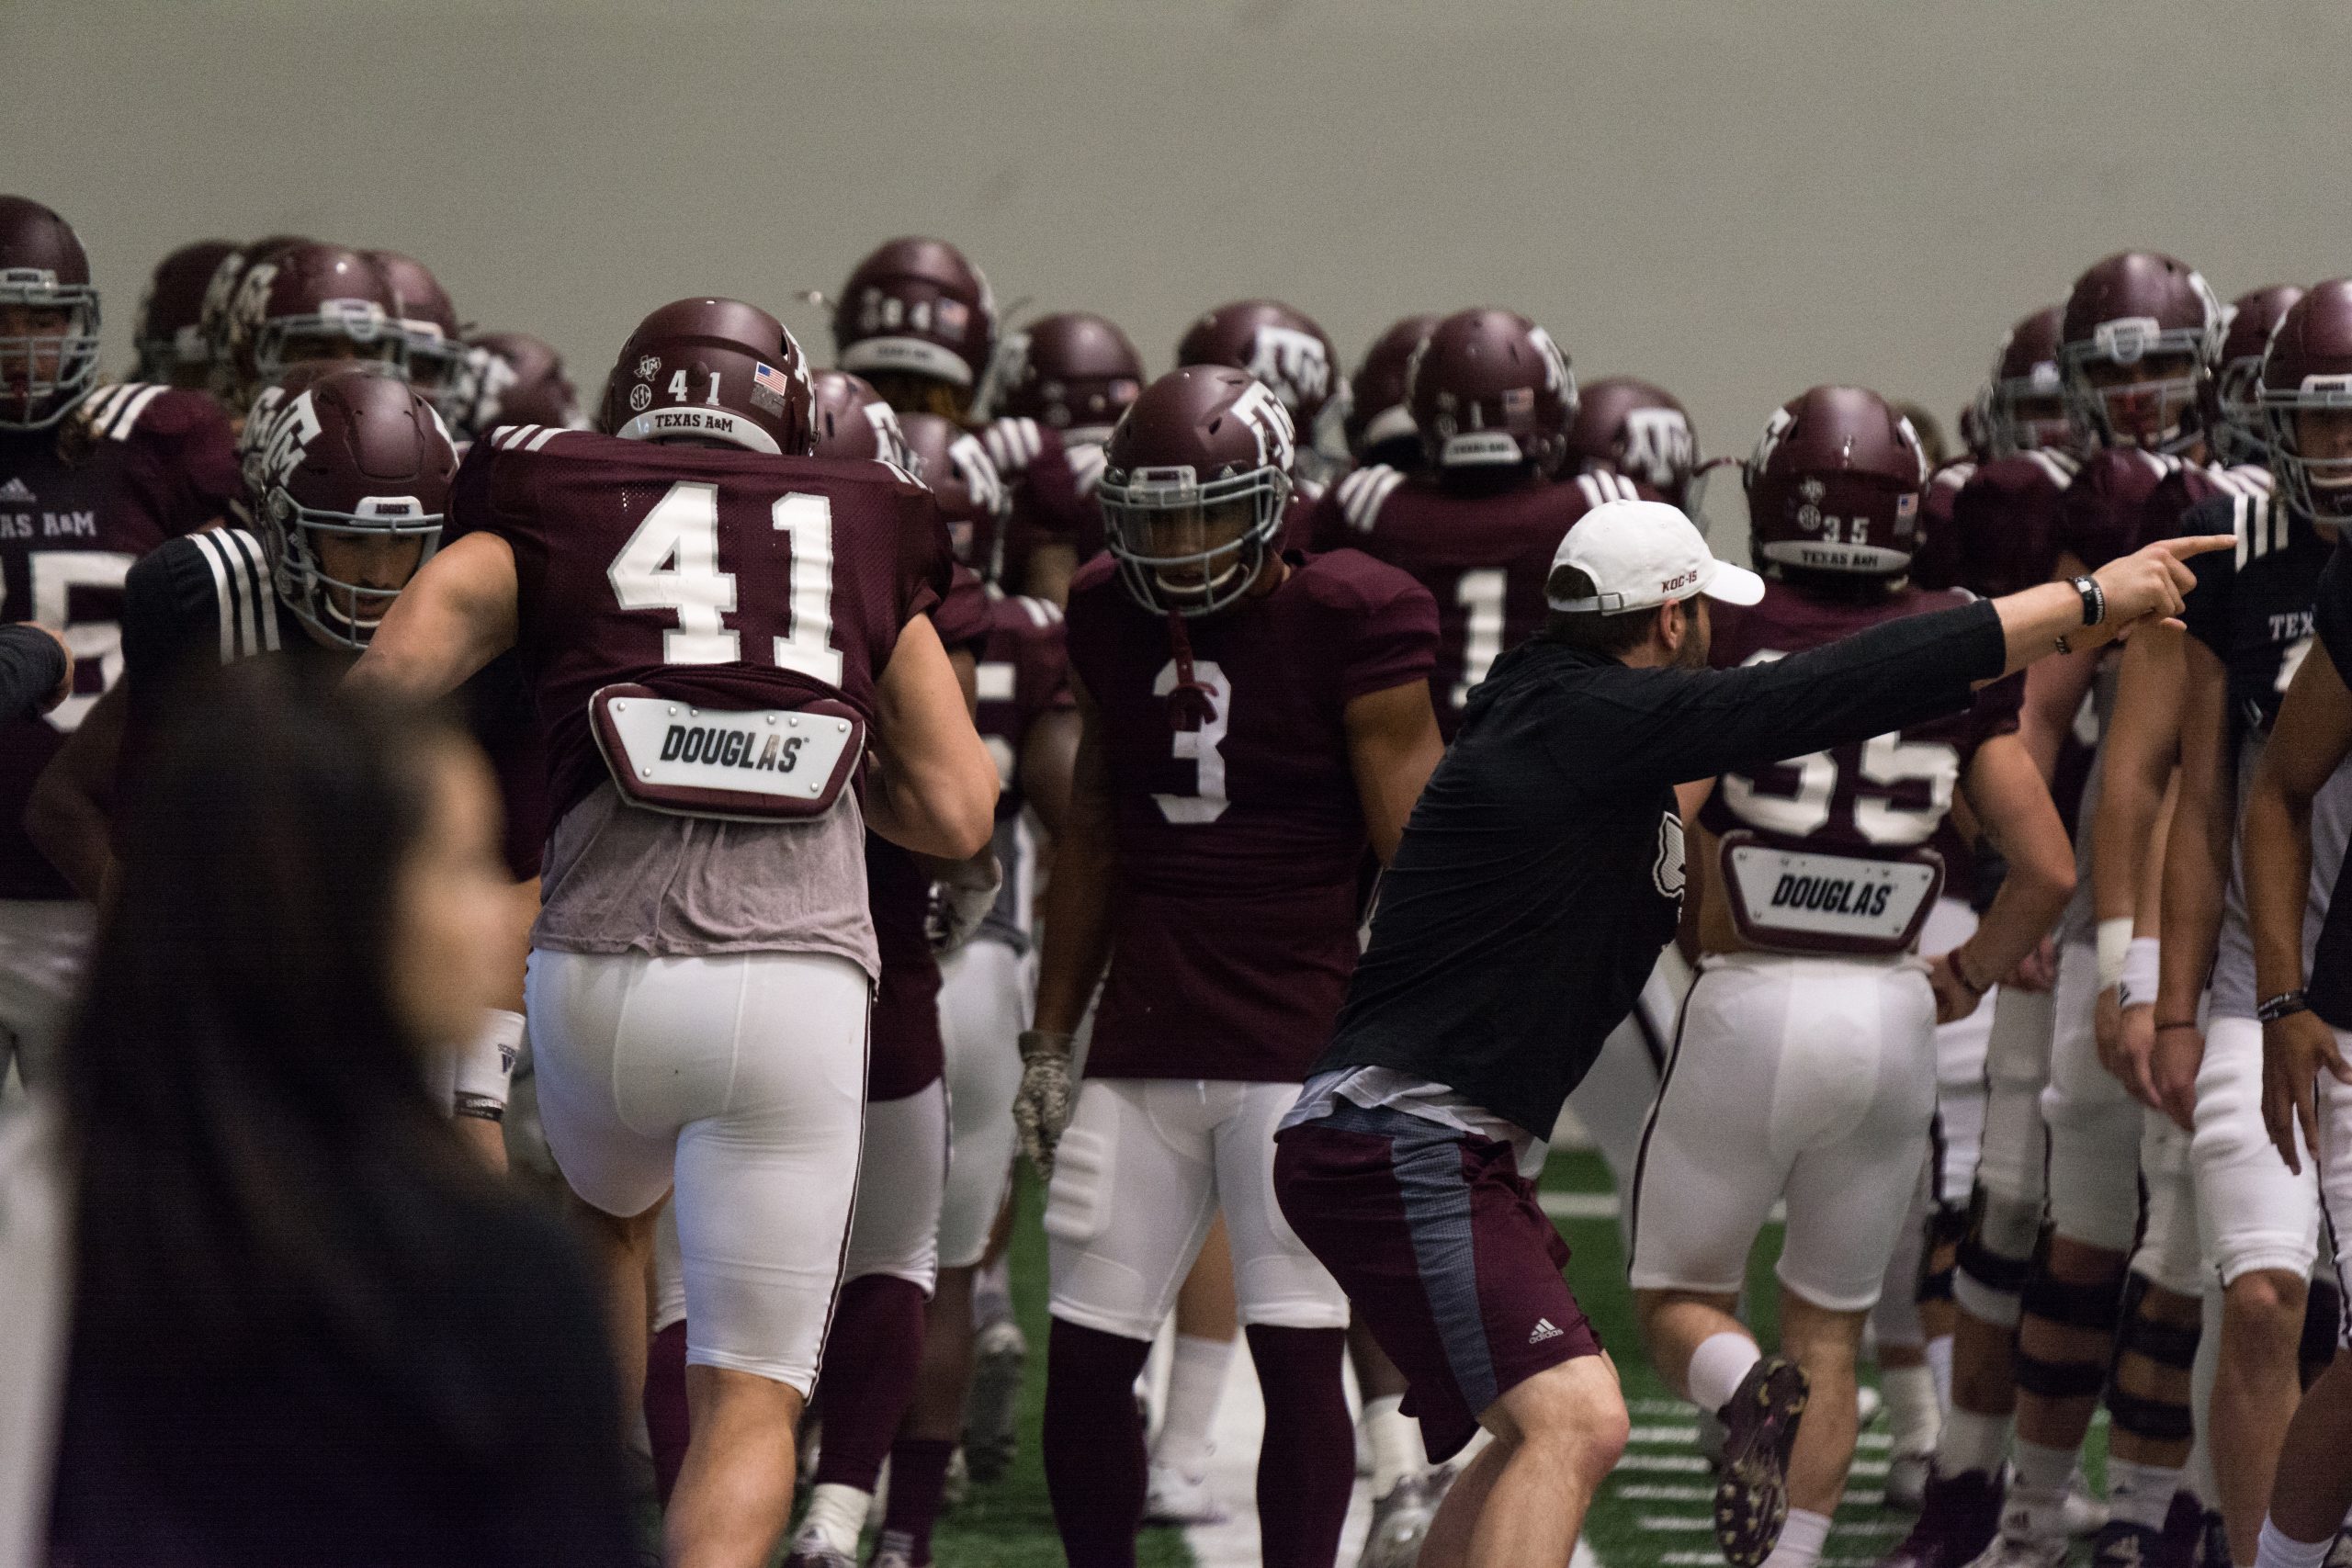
pixel 1838 835
pixel 129 468
pixel 1238 843
pixel 1483 557
pixel 726 580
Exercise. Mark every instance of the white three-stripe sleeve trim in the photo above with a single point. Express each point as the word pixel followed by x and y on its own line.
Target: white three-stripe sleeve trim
pixel 220 594
pixel 120 427
pixel 261 603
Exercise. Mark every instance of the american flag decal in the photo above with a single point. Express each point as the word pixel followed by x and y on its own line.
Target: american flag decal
pixel 767 378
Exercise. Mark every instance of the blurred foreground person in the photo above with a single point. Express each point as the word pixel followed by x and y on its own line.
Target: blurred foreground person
pixel 303 1326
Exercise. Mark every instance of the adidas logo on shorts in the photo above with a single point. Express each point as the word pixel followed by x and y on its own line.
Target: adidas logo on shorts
pixel 1544 1329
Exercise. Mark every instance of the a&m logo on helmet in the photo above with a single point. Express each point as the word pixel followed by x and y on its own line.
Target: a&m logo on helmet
pixel 293 425
pixel 1286 357
pixel 1659 445
pixel 1556 376
pixel 1263 413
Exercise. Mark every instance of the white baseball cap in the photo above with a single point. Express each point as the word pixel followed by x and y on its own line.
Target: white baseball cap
pixel 1644 553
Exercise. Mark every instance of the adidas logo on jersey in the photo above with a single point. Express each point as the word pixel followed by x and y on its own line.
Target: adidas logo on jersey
pixel 16 489
pixel 1544 1329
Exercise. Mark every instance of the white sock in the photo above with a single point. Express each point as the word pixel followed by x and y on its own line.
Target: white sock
pixel 1395 1439
pixel 836 1513
pixel 992 1291
pixel 1717 1366
pixel 2279 1550
pixel 2043 1468
pixel 2036 1508
pixel 1969 1442
pixel 1195 1380
pixel 1802 1539
pixel 1940 1363
pixel 2140 1494
pixel 1913 1420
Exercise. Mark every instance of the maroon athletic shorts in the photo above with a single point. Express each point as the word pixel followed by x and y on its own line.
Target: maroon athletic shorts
pixel 1445 1252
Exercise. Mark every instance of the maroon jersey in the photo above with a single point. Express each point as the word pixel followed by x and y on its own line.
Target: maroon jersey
pixel 2187 485
pixel 1024 675
pixel 1936 563
pixel 1052 484
pixel 2007 518
pixel 736 580
pixel 2106 511
pixel 962 618
pixel 1882 799
pixel 1234 927
pixel 132 466
pixel 1483 557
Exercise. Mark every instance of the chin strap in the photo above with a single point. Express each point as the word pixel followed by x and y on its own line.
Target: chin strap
pixel 1190 703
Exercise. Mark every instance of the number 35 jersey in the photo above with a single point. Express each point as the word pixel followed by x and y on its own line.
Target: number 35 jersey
pixel 1880 799
pixel 1240 843
pixel 1483 557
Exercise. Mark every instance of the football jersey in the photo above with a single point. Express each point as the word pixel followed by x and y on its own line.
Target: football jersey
pixel 962 618
pixel 1881 798
pixel 2106 511
pixel 205 600
pixel 1483 557
pixel 1052 484
pixel 1024 675
pixel 1936 563
pixel 731 579
pixel 2253 607
pixel 1234 928
pixel 2007 519
pixel 133 465
pixel 2329 984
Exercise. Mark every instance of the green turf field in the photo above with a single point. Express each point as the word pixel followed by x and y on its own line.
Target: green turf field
pixel 1653 1511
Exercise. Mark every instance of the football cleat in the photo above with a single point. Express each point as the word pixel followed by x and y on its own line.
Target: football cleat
pixel 1906 1479
pixel 993 1406
pixel 1760 1430
pixel 1868 1403
pixel 2031 1533
pixel 811 1550
pixel 1173 1498
pixel 895 1550
pixel 1402 1519
pixel 2339 1554
pixel 2086 1513
pixel 1958 1518
pixel 2121 1544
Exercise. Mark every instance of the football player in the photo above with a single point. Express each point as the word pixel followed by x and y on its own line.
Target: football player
pixel 1062 383
pixel 513 379
pixel 435 353
pixel 169 331
pixel 91 479
pixel 1287 353
pixel 2249 627
pixel 307 302
pixel 1625 425
pixel 918 321
pixel 1252 720
pixel 1806 1065
pixel 720 628
pixel 2305 1104
pixel 1379 427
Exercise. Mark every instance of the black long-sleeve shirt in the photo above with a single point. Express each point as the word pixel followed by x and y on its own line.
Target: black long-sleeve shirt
pixel 1541 872
pixel 31 664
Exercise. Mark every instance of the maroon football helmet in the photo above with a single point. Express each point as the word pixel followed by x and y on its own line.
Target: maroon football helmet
pixel 951 460
pixel 44 371
pixel 1491 390
pixel 706 369
pixel 2307 402
pixel 1835 485
pixel 169 331
pixel 1285 350
pixel 853 419
pixel 354 455
pixel 1626 425
pixel 916 306
pixel 513 379
pixel 1379 427
pixel 2233 419
pixel 2025 402
pixel 2134 346
pixel 216 319
pixel 429 320
pixel 1194 478
pixel 1074 371
pixel 311 301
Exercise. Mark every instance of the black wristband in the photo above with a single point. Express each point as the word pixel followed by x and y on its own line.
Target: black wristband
pixel 2286 1004
pixel 2094 598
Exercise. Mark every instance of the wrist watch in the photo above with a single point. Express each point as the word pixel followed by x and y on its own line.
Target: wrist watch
pixel 2286 1004
pixel 2094 598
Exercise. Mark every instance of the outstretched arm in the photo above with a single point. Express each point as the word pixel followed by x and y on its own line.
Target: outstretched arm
pixel 455 615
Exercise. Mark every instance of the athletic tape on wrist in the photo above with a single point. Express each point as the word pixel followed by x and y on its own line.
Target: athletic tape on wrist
pixel 2114 950
pixel 486 1065
pixel 2137 984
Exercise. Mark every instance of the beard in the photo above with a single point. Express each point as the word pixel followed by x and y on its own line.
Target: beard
pixel 1692 654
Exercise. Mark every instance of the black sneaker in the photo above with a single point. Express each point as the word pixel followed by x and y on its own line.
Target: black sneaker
pixel 2121 1545
pixel 1956 1521
pixel 1760 1430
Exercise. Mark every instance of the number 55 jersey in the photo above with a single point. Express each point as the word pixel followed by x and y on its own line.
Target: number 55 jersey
pixel 1240 841
pixel 731 585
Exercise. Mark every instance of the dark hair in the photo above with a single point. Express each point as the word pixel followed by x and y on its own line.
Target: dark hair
pixel 247 1107
pixel 1613 635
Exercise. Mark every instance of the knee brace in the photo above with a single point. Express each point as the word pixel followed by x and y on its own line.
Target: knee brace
pixel 2167 1345
pixel 1946 1229
pixel 1996 1254
pixel 2094 1307
pixel 2322 1323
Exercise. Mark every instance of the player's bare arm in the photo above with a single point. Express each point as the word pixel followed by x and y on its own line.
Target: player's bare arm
pixel 1393 747
pixel 933 786
pixel 1076 943
pixel 1048 758
pixel 73 803
pixel 2196 872
pixel 2312 736
pixel 455 615
pixel 2006 793
pixel 2150 582
pixel 2128 846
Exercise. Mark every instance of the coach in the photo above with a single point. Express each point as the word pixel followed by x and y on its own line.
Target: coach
pixel 1539 876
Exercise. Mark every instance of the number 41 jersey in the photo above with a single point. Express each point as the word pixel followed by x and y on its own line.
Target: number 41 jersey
pixel 1240 843
pixel 729 579
pixel 1880 799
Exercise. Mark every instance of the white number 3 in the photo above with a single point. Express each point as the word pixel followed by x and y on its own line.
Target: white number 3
pixel 1207 801
pixel 671 562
